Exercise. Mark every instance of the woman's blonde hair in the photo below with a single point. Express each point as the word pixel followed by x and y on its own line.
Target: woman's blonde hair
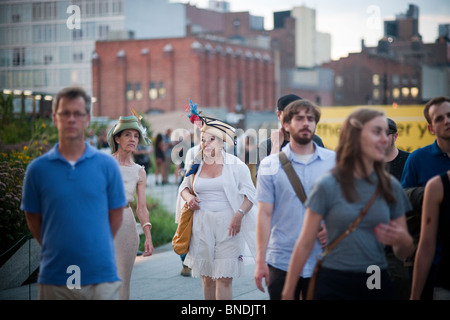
pixel 349 156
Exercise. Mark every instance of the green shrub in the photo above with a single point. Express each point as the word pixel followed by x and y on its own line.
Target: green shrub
pixel 13 224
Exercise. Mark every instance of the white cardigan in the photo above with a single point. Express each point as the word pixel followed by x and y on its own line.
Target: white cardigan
pixel 237 184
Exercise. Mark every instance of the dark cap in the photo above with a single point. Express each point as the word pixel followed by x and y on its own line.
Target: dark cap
pixel 285 100
pixel 392 126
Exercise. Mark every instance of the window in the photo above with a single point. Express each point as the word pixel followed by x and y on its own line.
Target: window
pixel 48 59
pixel 162 90
pixel 15 18
pixel 152 91
pixel 376 79
pixel 77 34
pixel 103 31
pixel 376 94
pixel 395 79
pixel 405 92
pixel 78 57
pixel 339 81
pixel 18 56
pixel 396 93
pixel 129 92
pixel 138 91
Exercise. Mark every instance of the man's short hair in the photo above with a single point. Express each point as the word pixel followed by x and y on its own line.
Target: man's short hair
pixel 435 101
pixel 285 100
pixel 72 93
pixel 294 107
pixel 392 126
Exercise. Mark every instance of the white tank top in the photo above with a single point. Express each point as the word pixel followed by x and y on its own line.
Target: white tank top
pixel 211 194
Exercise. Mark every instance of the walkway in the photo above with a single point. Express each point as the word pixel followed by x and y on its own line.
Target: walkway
pixel 158 277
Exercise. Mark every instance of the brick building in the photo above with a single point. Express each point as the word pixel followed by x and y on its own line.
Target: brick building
pixel 367 78
pixel 162 74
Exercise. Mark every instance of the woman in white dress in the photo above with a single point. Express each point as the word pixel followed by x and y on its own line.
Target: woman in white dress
pixel 123 140
pixel 224 215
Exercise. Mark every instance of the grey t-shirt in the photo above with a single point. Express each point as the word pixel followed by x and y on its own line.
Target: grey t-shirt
pixel 360 249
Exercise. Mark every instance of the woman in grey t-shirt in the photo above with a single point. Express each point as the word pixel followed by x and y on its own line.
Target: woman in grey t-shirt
pixel 356 268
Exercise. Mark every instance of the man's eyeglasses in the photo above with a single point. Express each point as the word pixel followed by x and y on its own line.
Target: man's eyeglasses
pixel 66 115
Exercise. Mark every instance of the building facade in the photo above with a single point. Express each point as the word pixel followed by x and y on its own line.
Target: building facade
pixel 159 75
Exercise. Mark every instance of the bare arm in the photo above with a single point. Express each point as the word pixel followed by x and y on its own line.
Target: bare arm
pixel 34 222
pixel 192 201
pixel 301 252
pixel 235 225
pixel 263 227
pixel 142 212
pixel 432 198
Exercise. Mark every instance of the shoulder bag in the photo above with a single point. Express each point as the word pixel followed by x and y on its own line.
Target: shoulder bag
pixel 182 237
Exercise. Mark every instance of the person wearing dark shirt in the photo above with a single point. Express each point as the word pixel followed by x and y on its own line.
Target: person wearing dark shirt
pixel 395 158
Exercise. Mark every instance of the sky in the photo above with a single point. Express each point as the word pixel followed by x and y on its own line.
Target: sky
pixel 349 21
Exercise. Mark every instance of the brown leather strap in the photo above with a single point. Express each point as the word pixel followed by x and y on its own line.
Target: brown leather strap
pixel 351 227
pixel 292 176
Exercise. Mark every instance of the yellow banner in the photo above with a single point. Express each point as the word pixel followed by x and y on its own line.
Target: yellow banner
pixel 411 125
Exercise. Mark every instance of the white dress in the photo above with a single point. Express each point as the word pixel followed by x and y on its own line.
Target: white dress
pixel 236 184
pixel 126 241
pixel 212 252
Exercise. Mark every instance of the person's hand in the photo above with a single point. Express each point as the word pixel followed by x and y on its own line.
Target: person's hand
pixel 193 203
pixel 261 272
pixel 390 234
pixel 148 247
pixel 235 225
pixel 322 235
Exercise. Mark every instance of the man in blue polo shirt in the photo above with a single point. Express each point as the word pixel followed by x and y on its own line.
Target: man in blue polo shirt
pixel 434 159
pixel 73 199
pixel 280 211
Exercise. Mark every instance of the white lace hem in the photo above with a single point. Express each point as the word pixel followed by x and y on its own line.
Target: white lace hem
pixel 220 268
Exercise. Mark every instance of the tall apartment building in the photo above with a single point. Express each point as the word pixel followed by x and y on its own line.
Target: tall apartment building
pixel 46 45
pixel 311 47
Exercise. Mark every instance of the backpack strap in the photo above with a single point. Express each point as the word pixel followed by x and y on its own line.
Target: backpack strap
pixel 292 176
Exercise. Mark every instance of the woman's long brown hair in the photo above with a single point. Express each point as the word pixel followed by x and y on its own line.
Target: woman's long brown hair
pixel 349 156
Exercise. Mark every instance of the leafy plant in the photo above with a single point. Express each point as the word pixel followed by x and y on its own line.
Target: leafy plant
pixel 13 224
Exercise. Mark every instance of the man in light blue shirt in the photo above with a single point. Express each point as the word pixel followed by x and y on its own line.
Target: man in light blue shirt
pixel 280 211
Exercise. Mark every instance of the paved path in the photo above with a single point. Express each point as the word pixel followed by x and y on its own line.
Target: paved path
pixel 158 277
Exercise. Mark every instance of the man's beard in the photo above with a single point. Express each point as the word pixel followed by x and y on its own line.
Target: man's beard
pixel 300 139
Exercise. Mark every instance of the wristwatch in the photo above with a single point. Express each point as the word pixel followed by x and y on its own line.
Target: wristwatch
pixel 241 211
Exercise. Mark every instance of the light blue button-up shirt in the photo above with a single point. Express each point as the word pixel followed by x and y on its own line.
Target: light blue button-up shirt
pixel 273 186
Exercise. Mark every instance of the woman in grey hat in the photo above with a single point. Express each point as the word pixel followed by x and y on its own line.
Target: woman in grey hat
pixel 123 139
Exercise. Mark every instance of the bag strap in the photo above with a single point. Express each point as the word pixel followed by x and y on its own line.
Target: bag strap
pixel 351 227
pixel 292 176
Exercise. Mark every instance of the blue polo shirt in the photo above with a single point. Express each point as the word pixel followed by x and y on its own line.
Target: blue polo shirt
pixel 273 186
pixel 423 164
pixel 74 201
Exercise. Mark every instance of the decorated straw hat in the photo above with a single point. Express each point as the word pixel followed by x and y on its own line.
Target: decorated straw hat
pixel 210 125
pixel 129 122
